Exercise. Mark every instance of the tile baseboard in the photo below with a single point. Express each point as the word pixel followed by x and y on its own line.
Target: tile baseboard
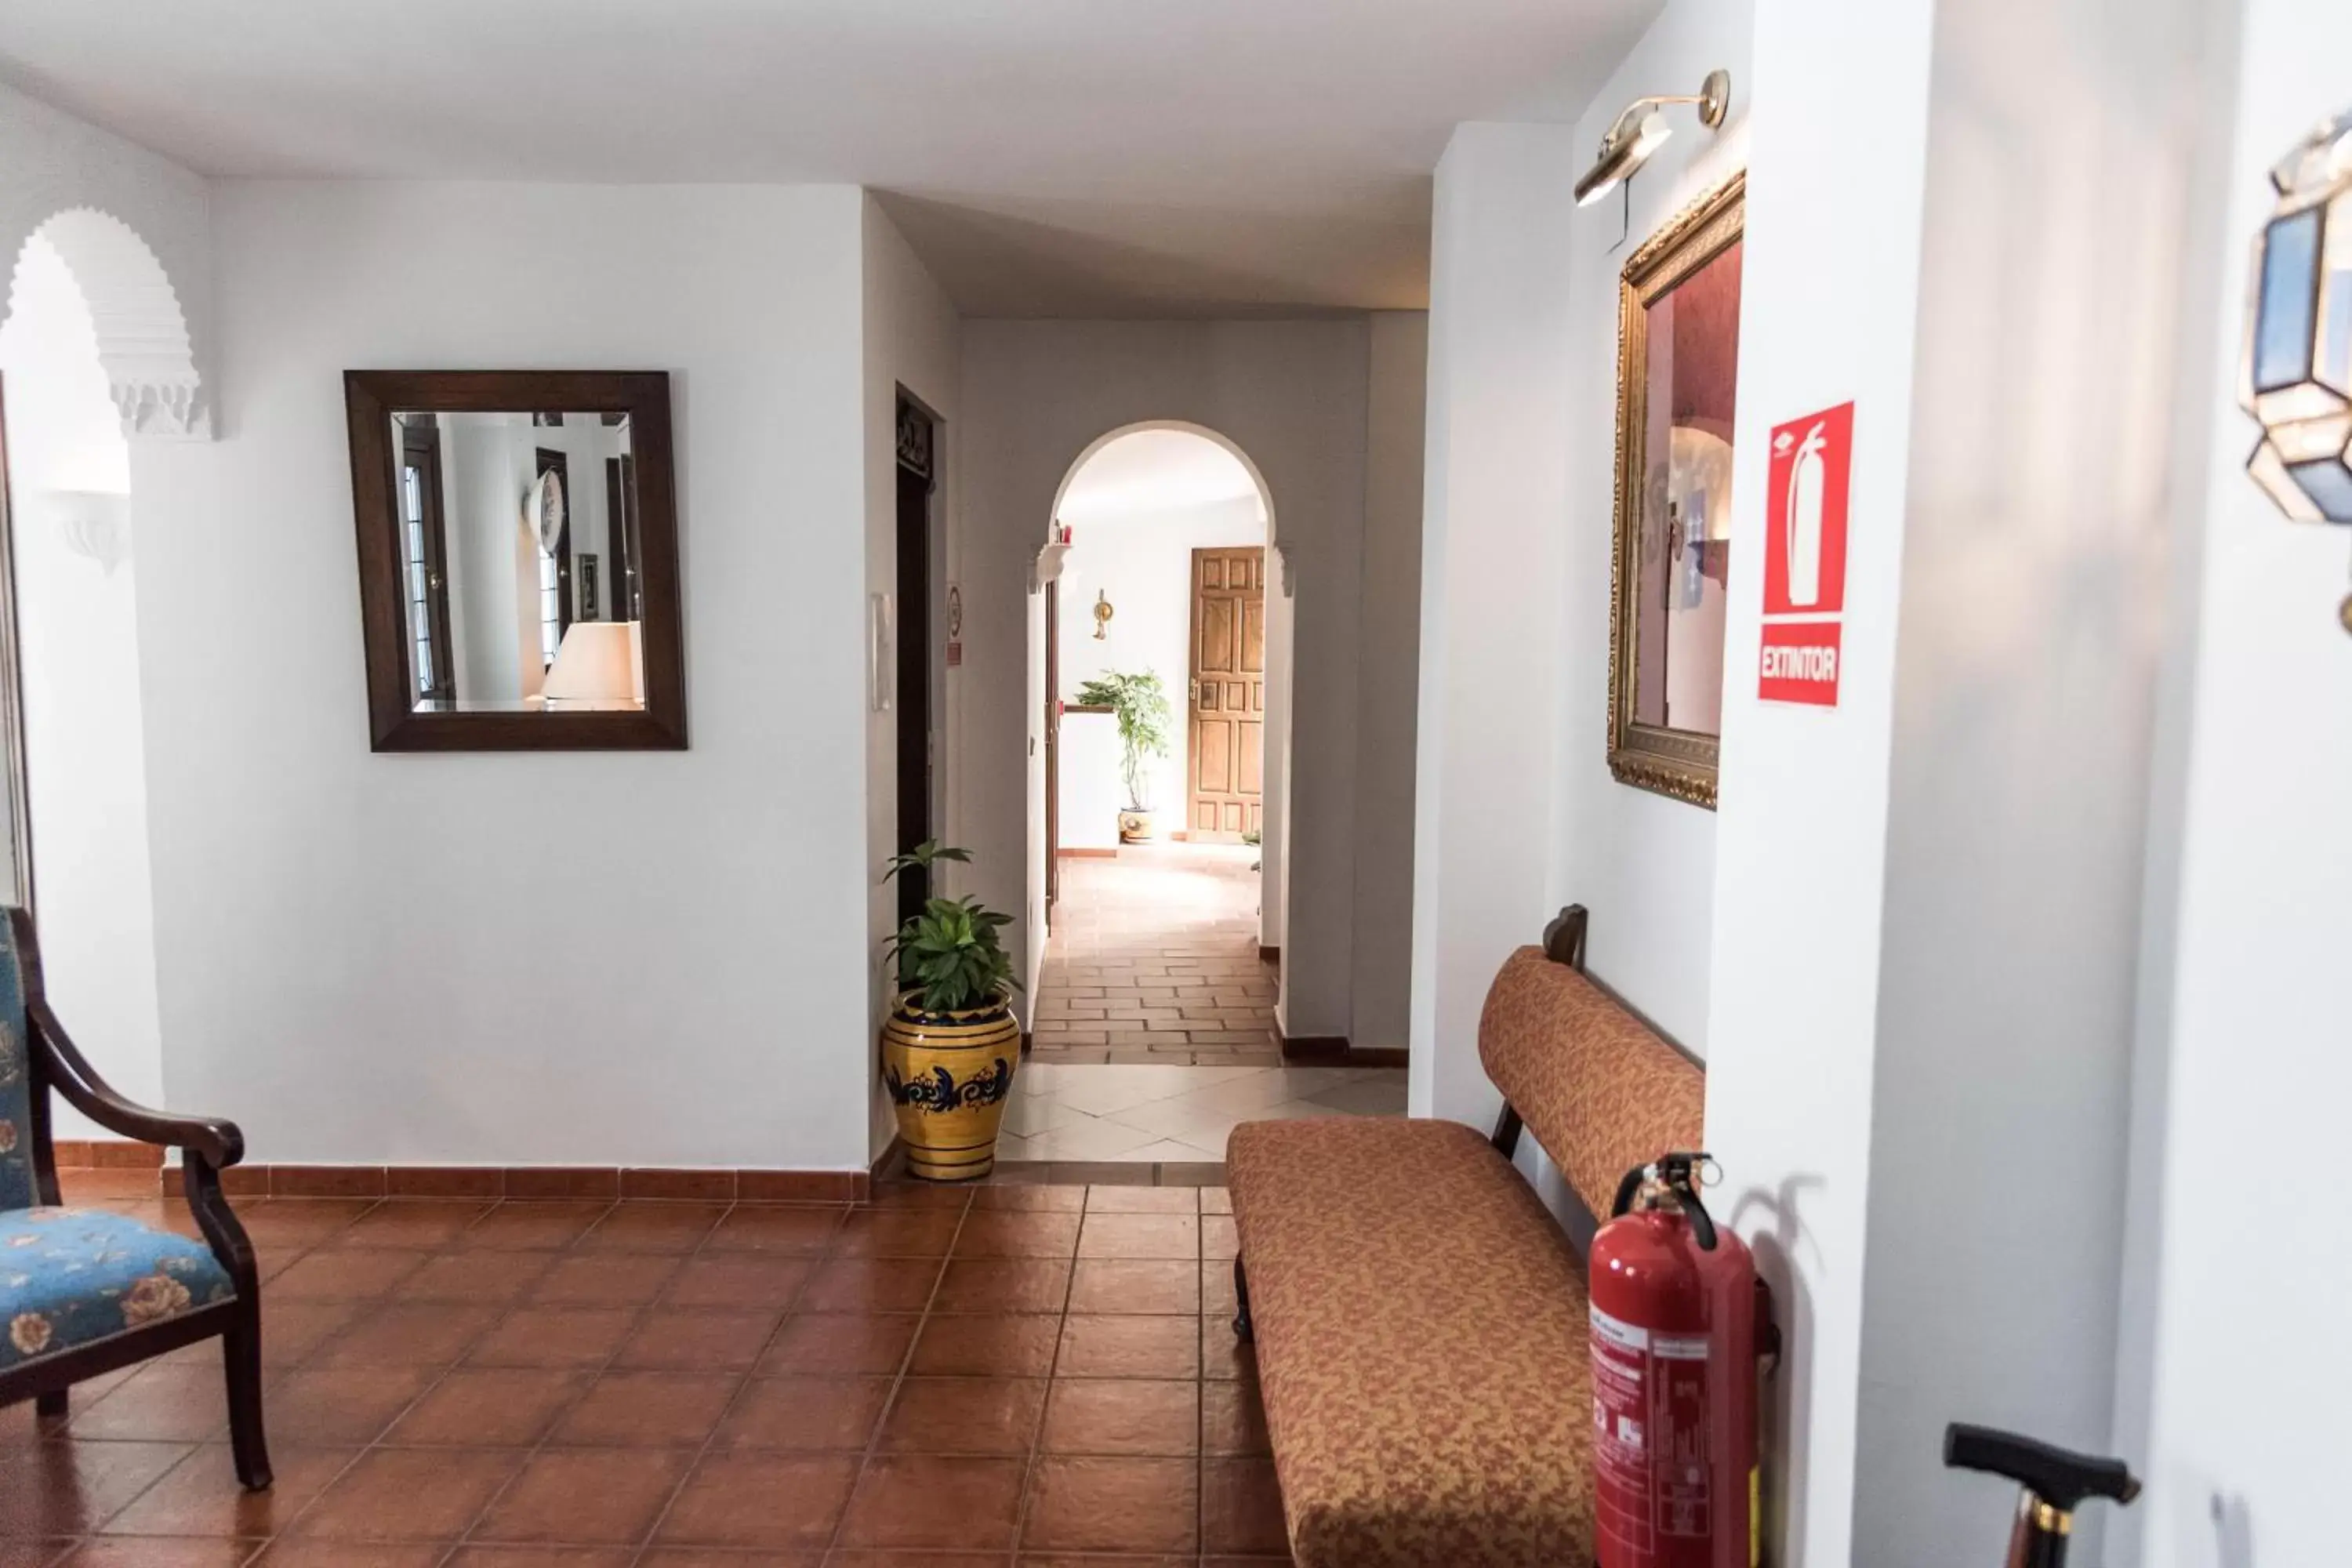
pixel 599 1181
pixel 1334 1050
pixel 107 1154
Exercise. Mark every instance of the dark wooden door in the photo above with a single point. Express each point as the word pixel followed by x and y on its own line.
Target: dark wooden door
pixel 1225 787
pixel 917 479
pixel 1053 748
pixel 425 545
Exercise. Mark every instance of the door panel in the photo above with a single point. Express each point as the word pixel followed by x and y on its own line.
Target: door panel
pixel 1226 694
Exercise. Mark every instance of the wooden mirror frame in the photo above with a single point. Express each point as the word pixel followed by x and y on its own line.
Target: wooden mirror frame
pixel 1677 763
pixel 371 397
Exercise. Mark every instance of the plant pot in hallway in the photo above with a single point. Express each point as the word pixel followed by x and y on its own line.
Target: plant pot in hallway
pixel 1144 717
pixel 951 1044
pixel 949 1073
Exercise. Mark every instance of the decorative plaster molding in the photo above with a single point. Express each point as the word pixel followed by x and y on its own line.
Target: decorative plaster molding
pixel 142 337
pixel 1046 567
pixel 171 409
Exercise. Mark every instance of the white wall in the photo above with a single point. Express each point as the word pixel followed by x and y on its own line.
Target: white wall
pixel 1492 562
pixel 1092 795
pixel 1291 394
pixel 911 340
pixel 1644 864
pixel 1388 679
pixel 69 469
pixel 352 948
pixel 2247 1417
pixel 2058 221
pixel 1800 838
pixel 1144 561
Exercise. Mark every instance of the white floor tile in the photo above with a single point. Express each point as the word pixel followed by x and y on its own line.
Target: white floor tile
pixel 1029 1113
pixel 1382 1095
pixel 1089 1140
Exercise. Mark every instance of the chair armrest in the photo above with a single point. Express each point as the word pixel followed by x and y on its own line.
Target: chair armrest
pixel 70 1073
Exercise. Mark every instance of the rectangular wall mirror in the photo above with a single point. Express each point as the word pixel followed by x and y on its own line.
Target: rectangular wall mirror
pixel 518 570
pixel 1677 372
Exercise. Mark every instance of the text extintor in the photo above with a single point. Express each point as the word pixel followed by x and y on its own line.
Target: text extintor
pixel 1804 559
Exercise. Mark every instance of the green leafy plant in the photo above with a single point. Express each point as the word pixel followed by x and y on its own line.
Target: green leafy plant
pixel 949 957
pixel 1144 720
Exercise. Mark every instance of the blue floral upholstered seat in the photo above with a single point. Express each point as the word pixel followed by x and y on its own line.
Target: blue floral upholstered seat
pixel 71 1277
pixel 84 1292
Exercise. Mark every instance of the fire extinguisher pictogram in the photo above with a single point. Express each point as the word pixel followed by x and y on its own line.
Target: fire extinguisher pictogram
pixel 1678 1321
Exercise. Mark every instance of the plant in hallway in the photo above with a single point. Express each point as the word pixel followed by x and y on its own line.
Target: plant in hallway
pixel 949 1044
pixel 1140 704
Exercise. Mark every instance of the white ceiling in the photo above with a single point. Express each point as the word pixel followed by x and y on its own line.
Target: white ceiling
pixel 1048 157
pixel 1154 471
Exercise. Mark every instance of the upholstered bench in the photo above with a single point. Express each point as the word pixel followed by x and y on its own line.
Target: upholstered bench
pixel 1420 1319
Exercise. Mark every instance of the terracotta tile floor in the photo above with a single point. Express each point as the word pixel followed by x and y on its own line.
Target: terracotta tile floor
pixel 1019 1375
pixel 1153 957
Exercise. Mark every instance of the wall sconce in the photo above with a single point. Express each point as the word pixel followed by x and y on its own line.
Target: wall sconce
pixel 2297 372
pixel 1641 130
pixel 1103 613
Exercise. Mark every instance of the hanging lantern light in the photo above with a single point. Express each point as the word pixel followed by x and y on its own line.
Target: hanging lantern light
pixel 2296 377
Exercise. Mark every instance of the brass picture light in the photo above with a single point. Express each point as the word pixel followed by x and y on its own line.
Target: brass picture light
pixel 1642 129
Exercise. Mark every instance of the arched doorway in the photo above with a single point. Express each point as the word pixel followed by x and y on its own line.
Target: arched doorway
pixel 1159 569
pixel 93 356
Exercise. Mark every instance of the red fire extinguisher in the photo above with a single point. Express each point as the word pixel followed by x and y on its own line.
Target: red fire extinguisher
pixel 1675 1307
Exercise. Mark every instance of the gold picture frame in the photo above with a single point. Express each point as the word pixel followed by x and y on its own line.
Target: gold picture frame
pixel 1644 752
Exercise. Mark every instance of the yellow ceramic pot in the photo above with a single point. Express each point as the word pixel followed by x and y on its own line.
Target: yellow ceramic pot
pixel 1138 826
pixel 949 1073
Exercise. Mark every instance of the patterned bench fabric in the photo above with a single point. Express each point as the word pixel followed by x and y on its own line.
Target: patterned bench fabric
pixel 16 1189
pixel 71 1277
pixel 1600 1091
pixel 1421 1345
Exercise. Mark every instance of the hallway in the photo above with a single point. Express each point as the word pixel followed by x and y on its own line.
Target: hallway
pixel 1154 959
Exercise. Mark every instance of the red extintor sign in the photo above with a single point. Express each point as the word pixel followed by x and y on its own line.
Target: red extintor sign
pixel 1804 558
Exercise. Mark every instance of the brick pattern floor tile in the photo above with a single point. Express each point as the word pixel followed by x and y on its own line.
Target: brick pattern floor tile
pixel 1021 1376
pixel 1153 957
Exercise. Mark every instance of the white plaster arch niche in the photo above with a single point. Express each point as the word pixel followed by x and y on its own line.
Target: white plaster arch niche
pixel 143 342
pixel 1047 563
pixel 1047 566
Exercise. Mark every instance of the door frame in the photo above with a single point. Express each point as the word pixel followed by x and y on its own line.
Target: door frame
pixel 12 688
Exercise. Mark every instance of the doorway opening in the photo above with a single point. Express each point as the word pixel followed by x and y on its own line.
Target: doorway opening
pixel 919 481
pixel 1164 646
pixel 70 668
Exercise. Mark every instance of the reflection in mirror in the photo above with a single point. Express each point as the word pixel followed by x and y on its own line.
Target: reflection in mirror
pixel 1685 522
pixel 519 556
pixel 1677 381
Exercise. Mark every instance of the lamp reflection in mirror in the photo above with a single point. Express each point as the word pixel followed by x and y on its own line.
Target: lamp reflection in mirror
pixel 601 665
pixel 2296 375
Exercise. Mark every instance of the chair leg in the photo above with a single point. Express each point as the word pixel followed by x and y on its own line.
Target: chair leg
pixel 1244 1329
pixel 241 1356
pixel 50 1406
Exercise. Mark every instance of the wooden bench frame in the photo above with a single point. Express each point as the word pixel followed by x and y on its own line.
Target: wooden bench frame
pixel 207 1146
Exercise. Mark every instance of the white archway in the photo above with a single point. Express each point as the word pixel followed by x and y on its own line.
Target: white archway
pixel 1048 568
pixel 143 332
pixel 1048 557
pixel 98 366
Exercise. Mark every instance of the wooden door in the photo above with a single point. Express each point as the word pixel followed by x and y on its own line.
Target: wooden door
pixel 917 480
pixel 1226 788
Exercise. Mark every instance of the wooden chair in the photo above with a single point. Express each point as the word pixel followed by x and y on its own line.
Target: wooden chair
pixel 84 1292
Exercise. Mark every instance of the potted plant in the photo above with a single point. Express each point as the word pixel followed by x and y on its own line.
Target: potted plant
pixel 951 1042
pixel 1144 717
